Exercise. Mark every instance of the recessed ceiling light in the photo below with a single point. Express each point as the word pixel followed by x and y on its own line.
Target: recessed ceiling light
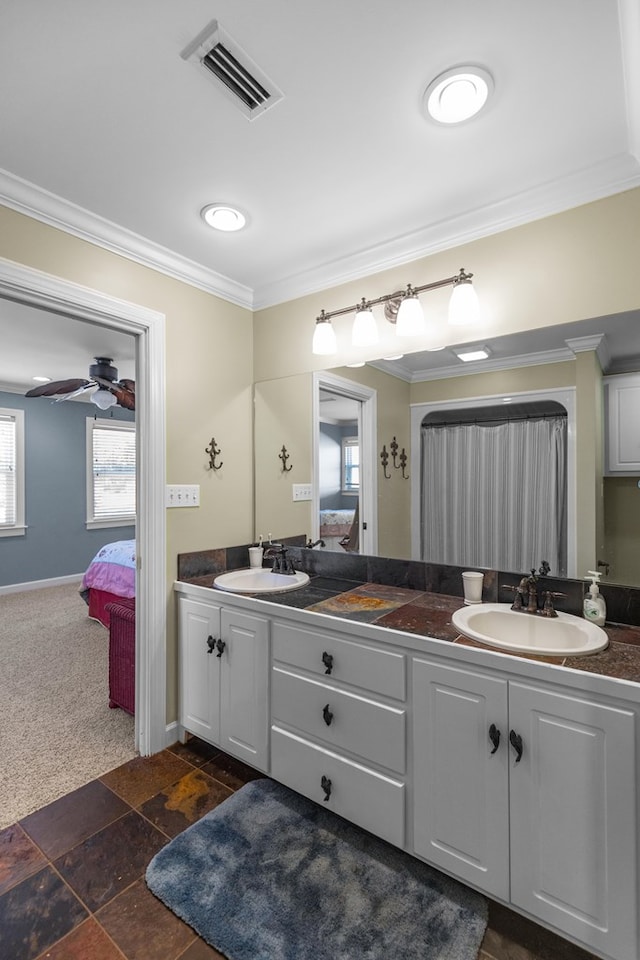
pixel 458 94
pixel 42 379
pixel 396 356
pixel 360 364
pixel 221 216
pixel 473 353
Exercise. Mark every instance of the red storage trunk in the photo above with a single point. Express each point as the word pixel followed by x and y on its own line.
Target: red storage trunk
pixel 122 654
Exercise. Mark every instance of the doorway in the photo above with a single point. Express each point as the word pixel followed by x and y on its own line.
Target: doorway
pixel 344 477
pixel 35 288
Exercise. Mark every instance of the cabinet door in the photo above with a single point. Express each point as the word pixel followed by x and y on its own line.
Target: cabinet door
pixel 461 807
pixel 199 669
pixel 244 681
pixel 573 817
pixel 623 424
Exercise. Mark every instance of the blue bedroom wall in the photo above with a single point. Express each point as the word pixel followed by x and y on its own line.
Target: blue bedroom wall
pixel 330 452
pixel 57 542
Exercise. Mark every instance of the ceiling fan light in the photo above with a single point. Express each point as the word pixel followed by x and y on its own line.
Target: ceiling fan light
pixel 365 331
pixel 410 321
pixel 103 398
pixel 464 307
pixel 324 338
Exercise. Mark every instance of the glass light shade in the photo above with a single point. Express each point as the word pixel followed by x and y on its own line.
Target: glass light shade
pixel 103 399
pixel 365 331
pixel 324 339
pixel 464 307
pixel 410 321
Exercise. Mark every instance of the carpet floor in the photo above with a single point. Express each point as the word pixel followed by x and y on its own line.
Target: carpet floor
pixel 57 730
pixel 270 875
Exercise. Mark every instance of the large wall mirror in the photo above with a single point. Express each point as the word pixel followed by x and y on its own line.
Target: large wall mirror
pixel 570 357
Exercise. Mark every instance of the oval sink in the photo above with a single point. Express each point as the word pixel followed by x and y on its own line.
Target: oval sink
pixel 256 580
pixel 497 625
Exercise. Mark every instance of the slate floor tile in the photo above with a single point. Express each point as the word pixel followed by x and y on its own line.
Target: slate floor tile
pixel 194 751
pixel 142 927
pixel 19 857
pixel 35 914
pixel 68 821
pixel 86 942
pixel 178 806
pixel 231 772
pixel 141 778
pixel 101 867
pixel 199 950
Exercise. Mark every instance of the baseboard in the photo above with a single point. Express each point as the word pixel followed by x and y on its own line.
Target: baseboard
pixel 41 584
pixel 172 733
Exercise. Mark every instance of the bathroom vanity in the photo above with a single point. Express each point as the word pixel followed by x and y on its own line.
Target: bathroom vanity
pixel 515 775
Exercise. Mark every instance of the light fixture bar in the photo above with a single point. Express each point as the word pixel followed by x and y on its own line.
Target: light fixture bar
pixel 460 277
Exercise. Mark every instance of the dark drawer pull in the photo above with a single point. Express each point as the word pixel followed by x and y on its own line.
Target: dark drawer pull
pixel 516 742
pixel 327 659
pixel 220 645
pixel 211 643
pixel 327 716
pixel 494 736
pixel 325 783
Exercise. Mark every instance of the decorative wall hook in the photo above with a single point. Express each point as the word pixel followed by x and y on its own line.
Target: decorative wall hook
pixel 284 456
pixel 403 463
pixel 393 446
pixel 213 451
pixel 384 457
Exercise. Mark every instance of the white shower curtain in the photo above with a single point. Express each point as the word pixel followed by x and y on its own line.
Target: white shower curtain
pixel 494 495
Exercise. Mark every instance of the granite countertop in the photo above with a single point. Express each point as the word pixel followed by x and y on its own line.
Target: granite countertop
pixel 429 614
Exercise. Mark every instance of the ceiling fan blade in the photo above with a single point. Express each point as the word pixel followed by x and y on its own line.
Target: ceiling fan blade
pixel 59 386
pixel 69 396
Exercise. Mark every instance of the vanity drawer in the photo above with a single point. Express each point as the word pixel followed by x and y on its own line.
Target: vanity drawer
pixel 362 796
pixel 380 671
pixel 345 720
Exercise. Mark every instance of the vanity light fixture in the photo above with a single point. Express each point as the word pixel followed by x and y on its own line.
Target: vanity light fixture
pixel 221 216
pixel 469 354
pixel 402 308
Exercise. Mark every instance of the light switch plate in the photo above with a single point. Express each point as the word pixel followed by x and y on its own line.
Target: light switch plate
pixel 182 495
pixel 301 491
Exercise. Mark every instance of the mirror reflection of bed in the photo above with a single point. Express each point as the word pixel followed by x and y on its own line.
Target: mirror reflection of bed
pixel 339 472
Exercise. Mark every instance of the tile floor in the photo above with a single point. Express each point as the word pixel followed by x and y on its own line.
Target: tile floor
pixel 72 874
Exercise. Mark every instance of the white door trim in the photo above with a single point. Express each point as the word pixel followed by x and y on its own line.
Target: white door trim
pixel 39 289
pixel 367 424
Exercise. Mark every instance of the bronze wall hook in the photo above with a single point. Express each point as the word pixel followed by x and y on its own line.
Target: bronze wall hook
pixel 393 446
pixel 403 463
pixel 213 451
pixel 384 457
pixel 284 456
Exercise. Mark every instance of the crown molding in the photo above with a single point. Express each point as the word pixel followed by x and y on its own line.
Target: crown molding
pixel 33 201
pixel 396 368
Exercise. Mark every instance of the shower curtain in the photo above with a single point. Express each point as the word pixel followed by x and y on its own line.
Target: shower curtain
pixel 495 494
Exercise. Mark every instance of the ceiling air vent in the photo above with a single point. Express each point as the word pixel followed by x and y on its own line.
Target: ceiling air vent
pixel 232 70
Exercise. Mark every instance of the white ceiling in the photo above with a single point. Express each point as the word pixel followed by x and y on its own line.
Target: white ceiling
pixel 109 133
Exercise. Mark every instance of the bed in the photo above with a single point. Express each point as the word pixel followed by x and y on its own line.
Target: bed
pixel 110 576
pixel 335 523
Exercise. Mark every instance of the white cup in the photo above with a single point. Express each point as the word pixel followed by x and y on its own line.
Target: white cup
pixel 472 583
pixel 255 556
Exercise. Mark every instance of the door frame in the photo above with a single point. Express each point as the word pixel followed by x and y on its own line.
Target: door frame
pixel 36 288
pixel 367 428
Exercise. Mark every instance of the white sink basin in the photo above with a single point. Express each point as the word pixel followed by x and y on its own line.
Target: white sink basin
pixel 256 580
pixel 497 625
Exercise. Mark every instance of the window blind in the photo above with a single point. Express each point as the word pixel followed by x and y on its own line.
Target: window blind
pixel 8 493
pixel 351 463
pixel 114 473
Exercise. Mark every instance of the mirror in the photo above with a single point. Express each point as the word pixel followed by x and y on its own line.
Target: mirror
pixel 537 360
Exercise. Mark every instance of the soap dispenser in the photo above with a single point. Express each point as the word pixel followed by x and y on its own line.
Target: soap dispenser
pixel 594 607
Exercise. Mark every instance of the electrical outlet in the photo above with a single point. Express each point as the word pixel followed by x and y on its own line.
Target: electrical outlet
pixel 182 495
pixel 301 491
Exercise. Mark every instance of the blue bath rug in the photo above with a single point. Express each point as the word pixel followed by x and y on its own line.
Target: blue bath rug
pixel 270 875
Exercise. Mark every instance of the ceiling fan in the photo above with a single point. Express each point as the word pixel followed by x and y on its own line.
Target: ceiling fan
pixel 104 376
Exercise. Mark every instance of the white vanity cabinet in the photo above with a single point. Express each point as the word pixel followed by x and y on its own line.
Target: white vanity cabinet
pixel 339 722
pixel 622 404
pixel 224 679
pixel 554 832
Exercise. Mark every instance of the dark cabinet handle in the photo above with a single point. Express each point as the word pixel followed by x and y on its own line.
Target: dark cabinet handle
pixel 494 736
pixel 327 659
pixel 516 742
pixel 327 716
pixel 220 645
pixel 325 783
pixel 211 643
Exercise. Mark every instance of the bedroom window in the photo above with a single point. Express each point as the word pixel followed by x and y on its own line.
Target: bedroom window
pixel 12 473
pixel 111 473
pixel 350 465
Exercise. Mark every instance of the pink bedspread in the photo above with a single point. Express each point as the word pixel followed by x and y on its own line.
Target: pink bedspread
pixel 113 570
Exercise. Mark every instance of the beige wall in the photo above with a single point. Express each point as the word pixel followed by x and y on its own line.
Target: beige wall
pixel 622 525
pixel 209 382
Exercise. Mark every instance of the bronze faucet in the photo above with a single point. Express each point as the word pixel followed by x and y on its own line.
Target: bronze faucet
pixel 528 588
